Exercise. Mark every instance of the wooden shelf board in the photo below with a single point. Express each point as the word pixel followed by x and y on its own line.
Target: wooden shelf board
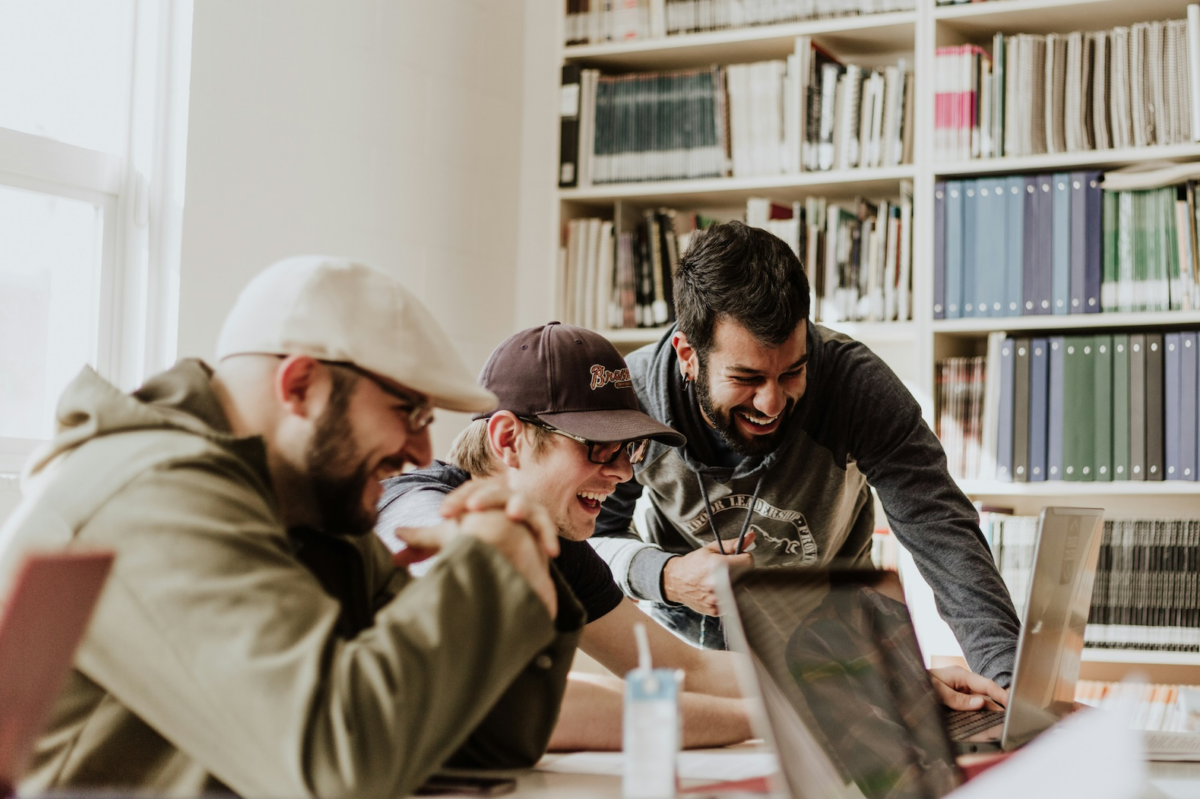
pixel 1064 161
pixel 1061 488
pixel 1067 323
pixel 980 20
pixel 845 36
pixel 843 183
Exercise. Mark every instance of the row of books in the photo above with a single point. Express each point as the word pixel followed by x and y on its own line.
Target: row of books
pixel 958 414
pixel 808 112
pixel 1147 589
pixel 623 278
pixel 1132 400
pixel 1159 707
pixel 597 21
pixel 1027 245
pixel 1060 93
pixel 858 255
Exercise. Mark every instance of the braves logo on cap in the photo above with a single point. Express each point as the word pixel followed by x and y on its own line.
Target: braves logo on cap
pixel 602 377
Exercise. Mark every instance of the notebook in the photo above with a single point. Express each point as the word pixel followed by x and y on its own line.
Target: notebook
pixel 42 620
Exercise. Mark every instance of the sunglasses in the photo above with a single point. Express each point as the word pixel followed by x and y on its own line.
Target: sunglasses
pixel 600 452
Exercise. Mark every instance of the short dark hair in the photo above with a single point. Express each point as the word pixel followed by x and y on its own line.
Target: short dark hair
pixel 742 273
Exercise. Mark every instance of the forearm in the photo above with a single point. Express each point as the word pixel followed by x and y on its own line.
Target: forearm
pixel 592 709
pixel 709 671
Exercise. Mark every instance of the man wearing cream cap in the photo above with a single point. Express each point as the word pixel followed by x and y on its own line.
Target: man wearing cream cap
pixel 253 638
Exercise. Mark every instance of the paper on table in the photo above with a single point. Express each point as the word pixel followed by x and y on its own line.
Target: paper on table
pixel 703 765
pixel 1093 753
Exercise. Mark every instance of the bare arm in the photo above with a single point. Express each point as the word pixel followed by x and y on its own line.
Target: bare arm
pixel 591 717
pixel 610 641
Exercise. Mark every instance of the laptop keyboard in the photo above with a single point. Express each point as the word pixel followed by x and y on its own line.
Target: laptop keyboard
pixel 962 724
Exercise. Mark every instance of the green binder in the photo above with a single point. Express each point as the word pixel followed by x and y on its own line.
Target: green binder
pixel 1102 351
pixel 1120 407
pixel 1079 383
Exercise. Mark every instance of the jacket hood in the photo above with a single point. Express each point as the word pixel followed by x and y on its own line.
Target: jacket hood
pixel 672 401
pixel 180 398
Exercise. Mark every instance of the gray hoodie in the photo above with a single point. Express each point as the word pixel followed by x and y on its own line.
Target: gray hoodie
pixel 856 427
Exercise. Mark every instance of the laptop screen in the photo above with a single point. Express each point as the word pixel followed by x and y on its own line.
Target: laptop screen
pixel 849 704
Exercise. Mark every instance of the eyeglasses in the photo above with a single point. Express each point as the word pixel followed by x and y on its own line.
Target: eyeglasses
pixel 600 452
pixel 418 413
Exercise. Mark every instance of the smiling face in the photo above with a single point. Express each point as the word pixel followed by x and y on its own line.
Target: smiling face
pixel 559 476
pixel 361 438
pixel 746 390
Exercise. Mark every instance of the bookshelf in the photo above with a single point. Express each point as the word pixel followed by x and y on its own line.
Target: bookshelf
pixel 913 348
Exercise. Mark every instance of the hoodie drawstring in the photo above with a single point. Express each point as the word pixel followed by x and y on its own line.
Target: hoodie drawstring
pixel 745 522
pixel 704 620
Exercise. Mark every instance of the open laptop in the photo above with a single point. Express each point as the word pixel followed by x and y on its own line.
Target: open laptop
pixel 1050 647
pixel 848 703
pixel 42 620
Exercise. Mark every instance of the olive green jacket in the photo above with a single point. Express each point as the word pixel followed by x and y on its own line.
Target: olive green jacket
pixel 217 661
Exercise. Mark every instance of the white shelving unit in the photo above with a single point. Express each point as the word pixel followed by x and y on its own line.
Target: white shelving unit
pixel 912 348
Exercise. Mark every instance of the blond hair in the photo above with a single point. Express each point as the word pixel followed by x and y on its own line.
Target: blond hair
pixel 472 449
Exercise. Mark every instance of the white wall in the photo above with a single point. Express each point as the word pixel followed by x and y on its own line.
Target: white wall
pixel 389 130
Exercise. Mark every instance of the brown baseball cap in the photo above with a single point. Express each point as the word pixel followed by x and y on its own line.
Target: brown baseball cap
pixel 573 379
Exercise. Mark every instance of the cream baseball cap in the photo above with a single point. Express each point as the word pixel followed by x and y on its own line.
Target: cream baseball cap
pixel 335 309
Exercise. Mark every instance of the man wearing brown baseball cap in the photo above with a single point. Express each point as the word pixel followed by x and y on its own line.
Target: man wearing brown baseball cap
pixel 567 430
pixel 253 639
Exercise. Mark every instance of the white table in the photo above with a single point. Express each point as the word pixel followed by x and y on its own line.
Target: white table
pixel 1173 780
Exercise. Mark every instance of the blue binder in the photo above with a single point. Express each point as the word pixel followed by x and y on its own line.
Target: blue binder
pixel 1054 403
pixel 1093 242
pixel 970 256
pixel 1172 383
pixel 1004 430
pixel 939 250
pixel 1188 410
pixel 1077 187
pixel 1031 211
pixel 954 249
pixel 1014 252
pixel 1060 258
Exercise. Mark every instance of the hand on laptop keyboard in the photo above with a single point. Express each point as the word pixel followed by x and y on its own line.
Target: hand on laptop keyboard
pixel 960 689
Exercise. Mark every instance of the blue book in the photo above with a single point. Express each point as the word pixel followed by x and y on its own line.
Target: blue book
pixel 1093 242
pixel 1172 383
pixel 1044 246
pixel 954 248
pixel 939 250
pixel 1039 377
pixel 970 259
pixel 1004 428
pixel 1189 363
pixel 1031 206
pixel 991 286
pixel 1054 410
pixel 1077 187
pixel 1060 258
pixel 1014 245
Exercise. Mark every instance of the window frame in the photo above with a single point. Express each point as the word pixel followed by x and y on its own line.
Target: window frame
pixel 140 193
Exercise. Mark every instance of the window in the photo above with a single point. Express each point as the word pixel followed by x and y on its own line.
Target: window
pixel 93 119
